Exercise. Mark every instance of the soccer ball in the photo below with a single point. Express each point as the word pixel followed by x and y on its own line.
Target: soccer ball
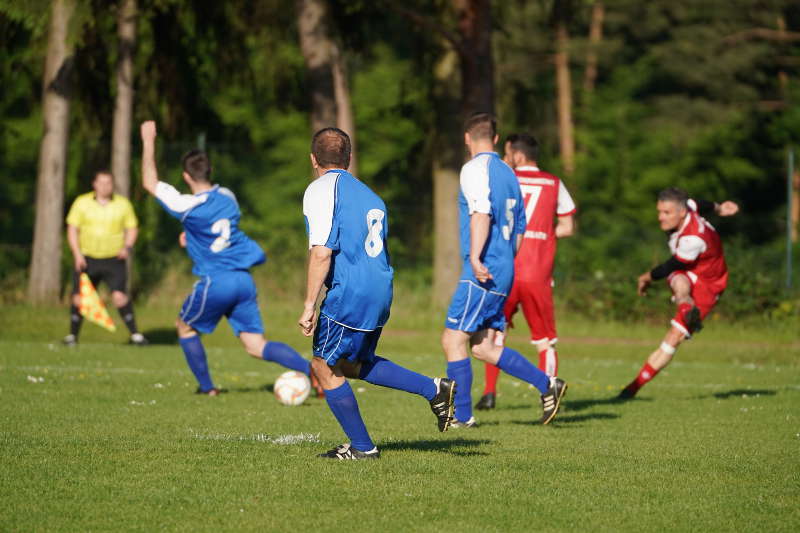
pixel 292 388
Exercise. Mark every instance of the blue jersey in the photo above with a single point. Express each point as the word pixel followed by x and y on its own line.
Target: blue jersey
pixel 489 186
pixel 345 215
pixel 211 221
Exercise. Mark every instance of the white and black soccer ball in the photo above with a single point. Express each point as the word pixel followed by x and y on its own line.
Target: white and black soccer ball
pixel 292 388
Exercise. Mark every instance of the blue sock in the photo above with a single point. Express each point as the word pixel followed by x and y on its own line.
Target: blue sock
pixel 196 359
pixel 461 373
pixel 343 403
pixel 285 355
pixel 512 362
pixel 385 373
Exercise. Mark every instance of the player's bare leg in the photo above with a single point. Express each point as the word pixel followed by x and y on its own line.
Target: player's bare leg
pixel 687 316
pixel 257 345
pixel 195 353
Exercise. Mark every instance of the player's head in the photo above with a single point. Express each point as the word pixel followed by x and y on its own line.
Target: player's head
pixel 672 206
pixel 103 183
pixel 480 130
pixel 521 149
pixel 196 167
pixel 330 148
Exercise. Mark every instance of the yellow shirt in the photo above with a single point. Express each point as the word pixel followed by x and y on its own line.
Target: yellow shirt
pixel 101 228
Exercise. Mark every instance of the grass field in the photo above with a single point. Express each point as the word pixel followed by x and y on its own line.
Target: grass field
pixel 110 437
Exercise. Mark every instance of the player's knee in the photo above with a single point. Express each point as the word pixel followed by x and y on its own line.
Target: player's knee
pixel 119 298
pixel 184 329
pixel 76 300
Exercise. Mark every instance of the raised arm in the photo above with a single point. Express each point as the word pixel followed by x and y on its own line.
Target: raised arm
pixel 149 169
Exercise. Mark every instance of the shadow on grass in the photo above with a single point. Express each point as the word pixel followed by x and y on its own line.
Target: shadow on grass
pixel 738 393
pixel 449 446
pixel 164 336
pixel 569 419
pixel 582 405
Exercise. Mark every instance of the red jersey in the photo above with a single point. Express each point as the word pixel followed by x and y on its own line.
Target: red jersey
pixel 697 243
pixel 545 197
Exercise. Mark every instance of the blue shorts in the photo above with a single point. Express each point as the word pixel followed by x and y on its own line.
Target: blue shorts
pixel 474 308
pixel 333 341
pixel 230 294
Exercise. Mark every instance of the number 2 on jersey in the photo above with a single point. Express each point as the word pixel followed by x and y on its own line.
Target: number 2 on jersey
pixel 221 227
pixel 374 242
pixel 530 193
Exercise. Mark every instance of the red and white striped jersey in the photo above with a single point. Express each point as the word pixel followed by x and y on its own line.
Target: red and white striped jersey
pixel 697 242
pixel 545 198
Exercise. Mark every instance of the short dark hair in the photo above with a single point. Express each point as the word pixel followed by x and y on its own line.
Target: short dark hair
pixel 331 148
pixel 525 143
pixel 481 126
pixel 197 164
pixel 674 194
pixel 103 171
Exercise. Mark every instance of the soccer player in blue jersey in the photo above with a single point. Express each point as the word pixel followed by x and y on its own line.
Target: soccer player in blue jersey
pixel 347 225
pixel 222 255
pixel 492 223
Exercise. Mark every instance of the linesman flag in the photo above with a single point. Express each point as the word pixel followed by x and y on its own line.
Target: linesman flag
pixel 92 307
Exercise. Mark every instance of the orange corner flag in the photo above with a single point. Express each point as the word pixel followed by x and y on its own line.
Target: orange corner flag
pixel 92 307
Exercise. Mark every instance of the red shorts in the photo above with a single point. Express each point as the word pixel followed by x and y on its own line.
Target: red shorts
pixel 705 293
pixel 536 300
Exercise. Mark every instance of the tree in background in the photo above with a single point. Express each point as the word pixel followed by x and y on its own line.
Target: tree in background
pixel 45 269
pixel 123 107
pixel 326 70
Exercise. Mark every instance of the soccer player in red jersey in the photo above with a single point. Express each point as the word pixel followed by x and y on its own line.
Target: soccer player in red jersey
pixel 696 273
pixel 546 201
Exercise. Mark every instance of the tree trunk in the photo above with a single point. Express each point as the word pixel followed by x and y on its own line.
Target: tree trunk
pixel 595 37
pixel 448 155
pixel 45 273
pixel 344 108
pixel 474 49
pixel 477 67
pixel 123 108
pixel 318 50
pixel 564 87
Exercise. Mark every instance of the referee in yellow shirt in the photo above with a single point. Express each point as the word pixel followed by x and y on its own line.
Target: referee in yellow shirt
pixel 101 231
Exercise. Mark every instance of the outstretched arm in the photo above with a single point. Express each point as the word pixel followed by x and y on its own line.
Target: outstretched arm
pixel 727 208
pixel 149 169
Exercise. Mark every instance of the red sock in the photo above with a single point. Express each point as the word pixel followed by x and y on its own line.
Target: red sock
pixel 645 374
pixel 491 379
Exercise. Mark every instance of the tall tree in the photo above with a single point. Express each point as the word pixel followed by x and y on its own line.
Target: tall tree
pixel 326 70
pixel 123 108
pixel 45 274
pixel 561 13
pixel 595 36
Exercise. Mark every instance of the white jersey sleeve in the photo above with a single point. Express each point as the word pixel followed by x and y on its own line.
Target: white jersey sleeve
pixel 177 204
pixel 689 248
pixel 319 201
pixel 566 206
pixel 475 185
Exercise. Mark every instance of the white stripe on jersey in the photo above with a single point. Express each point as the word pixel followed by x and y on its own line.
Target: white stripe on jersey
pixel 175 201
pixel 318 204
pixel 475 184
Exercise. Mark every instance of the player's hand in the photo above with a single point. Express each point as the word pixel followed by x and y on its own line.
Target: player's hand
pixel 482 273
pixel 307 320
pixel 80 263
pixel 643 283
pixel 727 209
pixel 124 253
pixel 182 239
pixel 148 130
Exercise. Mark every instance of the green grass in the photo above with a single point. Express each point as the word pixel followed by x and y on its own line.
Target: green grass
pixel 110 437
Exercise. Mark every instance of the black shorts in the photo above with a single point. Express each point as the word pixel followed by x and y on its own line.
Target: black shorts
pixel 112 271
